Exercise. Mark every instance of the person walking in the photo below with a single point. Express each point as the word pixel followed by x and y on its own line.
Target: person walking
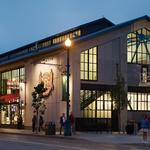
pixel 145 127
pixel 62 122
pixel 33 122
pixel 41 122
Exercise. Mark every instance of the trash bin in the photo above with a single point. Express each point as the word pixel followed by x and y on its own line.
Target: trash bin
pixel 46 129
pixel 19 123
pixel 50 128
pixel 67 128
pixel 130 128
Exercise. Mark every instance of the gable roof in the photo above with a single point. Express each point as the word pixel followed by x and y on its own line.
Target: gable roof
pixel 112 28
pixel 89 30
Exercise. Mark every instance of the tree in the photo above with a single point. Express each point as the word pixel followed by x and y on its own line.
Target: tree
pixel 119 97
pixel 37 100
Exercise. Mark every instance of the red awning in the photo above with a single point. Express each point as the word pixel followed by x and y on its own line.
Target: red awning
pixel 10 97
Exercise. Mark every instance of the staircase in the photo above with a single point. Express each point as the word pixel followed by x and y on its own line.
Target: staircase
pixel 89 97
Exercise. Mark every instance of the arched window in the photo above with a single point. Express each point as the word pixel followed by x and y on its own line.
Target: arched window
pixel 138 46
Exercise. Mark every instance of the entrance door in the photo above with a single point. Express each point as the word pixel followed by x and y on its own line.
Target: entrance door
pixel 114 120
pixel 9 114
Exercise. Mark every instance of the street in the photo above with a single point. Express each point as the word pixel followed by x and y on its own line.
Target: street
pixel 20 142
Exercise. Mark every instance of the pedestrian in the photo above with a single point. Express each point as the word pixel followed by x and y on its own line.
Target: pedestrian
pixel 62 122
pixel 19 122
pixel 33 122
pixel 41 122
pixel 72 122
pixel 144 128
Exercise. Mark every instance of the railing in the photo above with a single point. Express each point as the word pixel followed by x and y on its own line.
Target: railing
pixel 93 124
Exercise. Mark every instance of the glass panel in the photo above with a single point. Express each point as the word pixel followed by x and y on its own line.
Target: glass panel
pixel 148 106
pixel 86 67
pixel 144 31
pixel 95 50
pixel 98 114
pixel 86 58
pixel 90 59
pixel 82 58
pixel 94 59
pixel 91 51
pixel 129 57
pixel 143 48
pixel 82 66
pixel 90 76
pixel 90 67
pixel 86 75
pixel 82 75
pixel 94 67
pixel 94 76
pixel 99 105
pixel 109 114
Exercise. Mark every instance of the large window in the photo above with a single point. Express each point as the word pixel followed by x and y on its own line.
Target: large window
pixel 139 101
pixel 138 46
pixel 95 104
pixel 10 80
pixel 88 64
pixel 12 95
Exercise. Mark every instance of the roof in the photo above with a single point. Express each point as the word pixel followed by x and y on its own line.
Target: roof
pixel 85 26
pixel 112 28
pixel 89 30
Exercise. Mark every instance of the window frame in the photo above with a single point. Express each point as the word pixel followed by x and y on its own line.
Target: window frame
pixel 88 65
pixel 138 47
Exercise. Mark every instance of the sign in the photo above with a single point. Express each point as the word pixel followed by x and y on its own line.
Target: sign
pixel 47 78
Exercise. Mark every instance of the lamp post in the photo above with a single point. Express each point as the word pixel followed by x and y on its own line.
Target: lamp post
pixel 67 131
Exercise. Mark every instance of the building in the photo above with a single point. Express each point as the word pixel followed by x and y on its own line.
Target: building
pixel 99 50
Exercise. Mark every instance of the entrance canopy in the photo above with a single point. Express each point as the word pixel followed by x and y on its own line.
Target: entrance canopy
pixel 9 98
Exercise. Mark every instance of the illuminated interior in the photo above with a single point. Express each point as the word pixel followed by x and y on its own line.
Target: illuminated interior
pixel 138 46
pixel 95 104
pixel 12 95
pixel 139 101
pixel 88 64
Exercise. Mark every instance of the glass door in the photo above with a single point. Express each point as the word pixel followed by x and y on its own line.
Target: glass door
pixel 9 114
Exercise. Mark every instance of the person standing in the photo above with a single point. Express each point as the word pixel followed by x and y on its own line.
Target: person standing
pixel 41 121
pixel 145 127
pixel 33 122
pixel 62 122
pixel 72 122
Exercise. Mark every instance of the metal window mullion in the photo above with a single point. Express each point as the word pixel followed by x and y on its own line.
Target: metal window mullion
pixel 88 64
pixel 137 100
pixel 96 105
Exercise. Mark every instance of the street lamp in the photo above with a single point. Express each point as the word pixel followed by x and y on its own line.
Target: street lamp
pixel 67 131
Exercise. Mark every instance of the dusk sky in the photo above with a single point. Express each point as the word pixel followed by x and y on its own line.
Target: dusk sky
pixel 26 21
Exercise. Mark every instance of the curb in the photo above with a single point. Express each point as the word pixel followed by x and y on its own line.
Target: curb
pixel 40 135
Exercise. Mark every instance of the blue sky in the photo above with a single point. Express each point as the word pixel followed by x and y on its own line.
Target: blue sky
pixel 25 21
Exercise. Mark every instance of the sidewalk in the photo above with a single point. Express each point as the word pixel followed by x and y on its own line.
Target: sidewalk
pixel 91 136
